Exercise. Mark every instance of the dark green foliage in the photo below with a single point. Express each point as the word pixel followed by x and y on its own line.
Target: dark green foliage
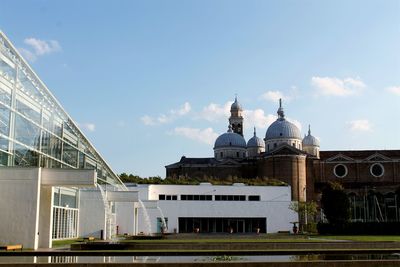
pixel 336 204
pixel 191 181
pixel 360 228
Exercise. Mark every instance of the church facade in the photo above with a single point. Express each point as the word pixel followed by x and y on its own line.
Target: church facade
pixel 370 177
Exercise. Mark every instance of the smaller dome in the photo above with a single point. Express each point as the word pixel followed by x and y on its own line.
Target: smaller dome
pixel 310 140
pixel 230 139
pixel 236 105
pixel 255 141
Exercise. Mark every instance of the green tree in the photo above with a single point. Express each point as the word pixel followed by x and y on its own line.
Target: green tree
pixel 307 212
pixel 335 203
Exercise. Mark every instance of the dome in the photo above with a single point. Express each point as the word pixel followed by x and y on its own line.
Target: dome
pixel 230 139
pixel 310 140
pixel 281 128
pixel 236 105
pixel 255 141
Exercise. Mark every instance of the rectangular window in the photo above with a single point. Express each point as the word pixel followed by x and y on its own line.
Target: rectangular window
pixel 174 197
pixel 209 197
pixel 202 197
pixel 70 155
pixel 217 197
pixel 190 197
pixel 254 198
pixel 196 197
pixel 242 198
pixel 183 197
pixel 168 197
pixel 26 132
pixel 4 120
pixel 6 70
pixel 161 197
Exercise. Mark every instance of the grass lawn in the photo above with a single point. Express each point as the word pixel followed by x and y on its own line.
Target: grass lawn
pixel 66 242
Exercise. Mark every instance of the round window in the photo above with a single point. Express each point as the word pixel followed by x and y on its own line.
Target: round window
pixel 340 170
pixel 377 170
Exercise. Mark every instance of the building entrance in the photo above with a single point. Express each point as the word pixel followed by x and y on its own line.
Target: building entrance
pixel 222 225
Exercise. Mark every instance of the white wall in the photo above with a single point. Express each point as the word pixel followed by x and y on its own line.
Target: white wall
pixel 92 216
pixel 19 206
pixel 125 217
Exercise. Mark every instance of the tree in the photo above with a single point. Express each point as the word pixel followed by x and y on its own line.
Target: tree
pixel 307 212
pixel 335 203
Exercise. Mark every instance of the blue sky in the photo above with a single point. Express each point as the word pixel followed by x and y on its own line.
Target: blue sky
pixel 150 81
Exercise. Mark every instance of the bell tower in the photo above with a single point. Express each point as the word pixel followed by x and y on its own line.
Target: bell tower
pixel 236 118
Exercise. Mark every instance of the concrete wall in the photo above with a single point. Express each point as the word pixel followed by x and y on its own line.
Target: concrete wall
pixel 19 206
pixel 92 216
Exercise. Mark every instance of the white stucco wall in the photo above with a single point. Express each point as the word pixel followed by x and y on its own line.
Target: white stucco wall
pixel 19 208
pixel 125 217
pixel 92 217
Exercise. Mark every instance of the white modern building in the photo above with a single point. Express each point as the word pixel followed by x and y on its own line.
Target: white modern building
pixel 44 159
pixel 207 208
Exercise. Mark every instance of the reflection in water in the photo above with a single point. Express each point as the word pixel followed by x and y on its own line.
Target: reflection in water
pixel 189 259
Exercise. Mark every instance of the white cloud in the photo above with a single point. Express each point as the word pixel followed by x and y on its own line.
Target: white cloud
pixel 42 47
pixel 394 90
pixel 185 109
pixel 91 127
pixel 169 117
pixel 206 136
pixel 28 55
pixel 257 118
pixel 360 125
pixel 147 120
pixel 272 96
pixel 39 48
pixel 337 87
pixel 215 112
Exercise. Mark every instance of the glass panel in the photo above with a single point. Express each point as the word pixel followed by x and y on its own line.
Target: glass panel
pixel 4 120
pixel 28 111
pixel 25 157
pixel 56 198
pixel 3 144
pixel 26 132
pixel 3 158
pixel 70 155
pixel 68 201
pixel 46 162
pixel 81 160
pixel 6 70
pixel 51 145
pixel 5 97
pixel 28 87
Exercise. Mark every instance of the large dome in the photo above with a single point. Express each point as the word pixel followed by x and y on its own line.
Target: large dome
pixel 281 128
pixel 230 139
pixel 255 141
